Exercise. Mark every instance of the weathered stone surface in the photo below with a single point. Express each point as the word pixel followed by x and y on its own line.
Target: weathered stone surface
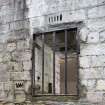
pixel 92 73
pixel 15 66
pixel 102 36
pixel 21 75
pixel 27 65
pixel 93 37
pixel 96 24
pixel 8 85
pixel 3 95
pixel 1 85
pixel 97 61
pixel 11 47
pixel 91 84
pixel 96 12
pixel 4 75
pixel 84 34
pixel 18 25
pixel 23 45
pixel 26 56
pixel 85 61
pixel 94 97
pixel 92 49
pixel 16 33
pixel 100 85
pixel 20 97
pixel 6 57
pixel 27 86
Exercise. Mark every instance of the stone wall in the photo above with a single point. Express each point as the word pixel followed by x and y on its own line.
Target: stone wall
pixel 19 19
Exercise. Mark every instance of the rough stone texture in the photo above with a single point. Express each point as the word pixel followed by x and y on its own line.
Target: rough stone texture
pixel 20 19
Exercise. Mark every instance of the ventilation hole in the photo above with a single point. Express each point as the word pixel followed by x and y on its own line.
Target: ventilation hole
pixel 38 78
pixel 57 18
pixel 49 87
pixel 54 18
pixel 60 17
pixel 19 85
pixel 49 19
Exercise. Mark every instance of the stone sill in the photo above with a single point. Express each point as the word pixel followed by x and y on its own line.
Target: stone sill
pixel 55 98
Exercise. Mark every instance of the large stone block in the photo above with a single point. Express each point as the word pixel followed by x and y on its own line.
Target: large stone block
pixel 3 95
pixel 102 36
pixel 96 24
pixel 93 37
pixel 26 75
pixel 78 15
pixel 84 34
pixel 97 61
pixel 92 73
pixel 23 45
pixel 15 66
pixel 18 25
pixel 85 61
pixel 87 3
pixel 4 75
pixel 1 86
pixel 8 86
pixel 26 56
pixel 6 57
pixel 100 85
pixel 20 97
pixel 4 28
pixel 27 65
pixel 92 49
pixel 94 97
pixel 27 86
pixel 91 85
pixel 96 12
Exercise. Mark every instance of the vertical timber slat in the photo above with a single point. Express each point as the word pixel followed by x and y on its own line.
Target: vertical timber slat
pixel 33 67
pixel 65 61
pixel 42 63
pixel 54 33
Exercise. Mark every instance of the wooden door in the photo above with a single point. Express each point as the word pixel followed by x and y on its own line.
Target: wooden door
pixel 71 76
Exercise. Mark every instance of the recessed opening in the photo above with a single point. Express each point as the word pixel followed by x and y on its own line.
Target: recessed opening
pixel 56 63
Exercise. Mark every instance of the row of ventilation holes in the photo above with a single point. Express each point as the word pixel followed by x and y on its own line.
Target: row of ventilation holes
pixel 55 18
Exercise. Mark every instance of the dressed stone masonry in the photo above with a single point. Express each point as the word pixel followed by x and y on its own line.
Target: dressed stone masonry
pixel 20 19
